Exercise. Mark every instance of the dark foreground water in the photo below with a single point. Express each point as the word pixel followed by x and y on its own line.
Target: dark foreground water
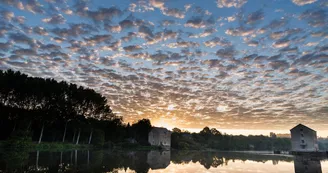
pixel 156 161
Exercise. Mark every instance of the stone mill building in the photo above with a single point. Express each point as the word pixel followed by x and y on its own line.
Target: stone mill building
pixel 159 136
pixel 304 139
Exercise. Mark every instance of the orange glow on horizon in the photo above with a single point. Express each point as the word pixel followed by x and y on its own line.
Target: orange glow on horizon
pixel 162 123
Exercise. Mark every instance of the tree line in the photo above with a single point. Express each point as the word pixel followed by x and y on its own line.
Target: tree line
pixel 211 138
pixel 52 111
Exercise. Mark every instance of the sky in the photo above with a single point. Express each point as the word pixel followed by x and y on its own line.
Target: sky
pixel 241 66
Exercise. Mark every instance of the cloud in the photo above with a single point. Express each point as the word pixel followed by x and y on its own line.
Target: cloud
pixel 255 16
pixel 157 3
pixel 230 3
pixel 199 22
pixel 40 31
pixel 132 48
pixel 18 64
pixel 8 15
pixel 50 47
pixel 212 63
pixel 174 12
pixel 67 11
pixel 56 19
pixel 310 44
pixel 231 18
pixel 129 36
pixel 315 17
pixel 96 39
pixel 253 43
pixel 183 44
pixel 74 30
pixel 15 3
pixel 279 64
pixel 303 2
pixel 141 7
pixel 139 56
pixel 115 29
pixel 145 31
pixel 187 7
pixel 205 33
pixel 216 41
pixel 5 46
pixel 289 50
pixel 296 72
pixel 102 14
pixel 277 23
pixel 126 24
pixel 277 35
pixel 114 46
pixel 167 22
pixel 20 19
pixel 169 34
pixel 34 6
pixel 228 52
pixel 27 52
pixel 22 38
pixel 145 55
pixel 281 43
pixel 241 31
pixel 59 54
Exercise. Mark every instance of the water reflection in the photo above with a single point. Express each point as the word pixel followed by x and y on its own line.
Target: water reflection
pixel 151 161
pixel 307 165
pixel 158 160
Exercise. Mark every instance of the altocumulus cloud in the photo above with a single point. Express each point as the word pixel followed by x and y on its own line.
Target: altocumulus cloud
pixel 188 62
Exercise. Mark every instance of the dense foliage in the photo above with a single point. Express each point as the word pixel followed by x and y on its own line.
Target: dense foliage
pixel 213 139
pixel 47 110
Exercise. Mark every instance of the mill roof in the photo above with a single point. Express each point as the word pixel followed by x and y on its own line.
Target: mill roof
pixel 159 129
pixel 301 126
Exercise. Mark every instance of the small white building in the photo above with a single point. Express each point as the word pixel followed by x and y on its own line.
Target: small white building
pixel 304 139
pixel 159 136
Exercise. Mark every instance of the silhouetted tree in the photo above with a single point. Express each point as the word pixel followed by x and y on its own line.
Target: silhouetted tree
pixel 141 129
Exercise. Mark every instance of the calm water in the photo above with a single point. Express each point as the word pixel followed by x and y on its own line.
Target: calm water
pixel 155 161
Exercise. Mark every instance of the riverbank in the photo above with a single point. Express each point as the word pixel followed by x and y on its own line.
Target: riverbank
pixel 59 146
pixel 44 146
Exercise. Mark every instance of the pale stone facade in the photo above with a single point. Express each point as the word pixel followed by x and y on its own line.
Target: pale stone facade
pixel 159 136
pixel 303 139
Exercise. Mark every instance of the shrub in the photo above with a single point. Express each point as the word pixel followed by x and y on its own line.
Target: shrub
pixel 109 145
pixel 98 138
pixel 19 139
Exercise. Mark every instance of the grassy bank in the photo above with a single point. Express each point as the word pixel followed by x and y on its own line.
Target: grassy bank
pixel 44 146
pixel 58 146
pixel 48 146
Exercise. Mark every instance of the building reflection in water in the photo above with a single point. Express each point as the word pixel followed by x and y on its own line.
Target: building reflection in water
pixel 158 159
pixel 307 165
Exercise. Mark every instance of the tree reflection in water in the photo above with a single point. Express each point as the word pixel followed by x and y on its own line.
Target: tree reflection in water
pixel 138 161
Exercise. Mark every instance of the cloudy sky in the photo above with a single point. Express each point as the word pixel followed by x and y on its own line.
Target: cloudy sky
pixel 236 65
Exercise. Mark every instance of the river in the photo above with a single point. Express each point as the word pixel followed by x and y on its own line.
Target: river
pixel 157 161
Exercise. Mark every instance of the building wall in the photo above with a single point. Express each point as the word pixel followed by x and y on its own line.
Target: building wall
pixel 159 137
pixel 303 135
